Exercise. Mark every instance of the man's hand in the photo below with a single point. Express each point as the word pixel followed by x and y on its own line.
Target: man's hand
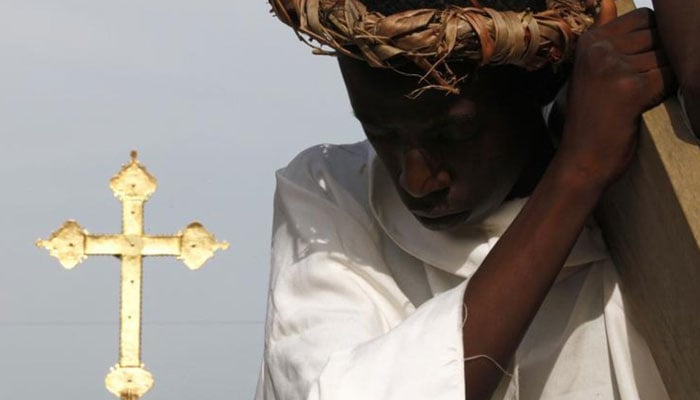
pixel 620 72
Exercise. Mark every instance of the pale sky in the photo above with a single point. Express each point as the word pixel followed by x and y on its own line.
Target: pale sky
pixel 216 95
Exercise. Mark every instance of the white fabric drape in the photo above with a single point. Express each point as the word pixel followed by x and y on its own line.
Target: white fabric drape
pixel 365 303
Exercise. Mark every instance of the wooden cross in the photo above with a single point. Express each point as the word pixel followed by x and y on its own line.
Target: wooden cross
pixel 651 222
pixel 71 244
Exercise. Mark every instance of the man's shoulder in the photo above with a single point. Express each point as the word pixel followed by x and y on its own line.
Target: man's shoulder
pixel 333 172
pixel 346 164
pixel 339 157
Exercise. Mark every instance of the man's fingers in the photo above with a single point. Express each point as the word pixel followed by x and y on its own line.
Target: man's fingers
pixel 608 12
pixel 648 61
pixel 641 18
pixel 640 41
pixel 661 83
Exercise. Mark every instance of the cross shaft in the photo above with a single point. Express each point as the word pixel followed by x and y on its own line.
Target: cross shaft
pixel 72 244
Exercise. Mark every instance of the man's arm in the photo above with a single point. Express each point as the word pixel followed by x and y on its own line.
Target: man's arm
pixel 679 27
pixel 508 289
pixel 617 76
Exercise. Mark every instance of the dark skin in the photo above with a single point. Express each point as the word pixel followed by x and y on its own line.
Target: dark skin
pixel 455 158
pixel 679 27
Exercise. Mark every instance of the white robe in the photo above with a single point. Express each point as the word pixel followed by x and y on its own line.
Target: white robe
pixel 366 304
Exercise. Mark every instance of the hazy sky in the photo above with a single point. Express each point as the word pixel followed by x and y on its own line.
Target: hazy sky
pixel 216 95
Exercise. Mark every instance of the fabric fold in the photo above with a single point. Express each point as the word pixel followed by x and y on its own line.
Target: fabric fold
pixel 365 303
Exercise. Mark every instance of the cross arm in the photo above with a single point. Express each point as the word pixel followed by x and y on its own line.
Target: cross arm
pixel 71 244
pixel 194 245
pixel 67 244
pixel 197 245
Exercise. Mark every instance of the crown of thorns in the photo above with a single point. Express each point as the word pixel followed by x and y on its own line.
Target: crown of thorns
pixel 431 38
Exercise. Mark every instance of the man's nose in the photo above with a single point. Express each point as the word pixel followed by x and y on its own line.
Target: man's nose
pixel 419 178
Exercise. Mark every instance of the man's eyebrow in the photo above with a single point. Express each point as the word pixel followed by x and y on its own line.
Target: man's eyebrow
pixel 443 121
pixel 451 119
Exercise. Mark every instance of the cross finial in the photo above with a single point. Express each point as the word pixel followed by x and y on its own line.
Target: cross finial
pixel 72 244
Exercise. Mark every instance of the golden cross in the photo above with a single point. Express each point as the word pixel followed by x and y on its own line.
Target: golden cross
pixel 71 244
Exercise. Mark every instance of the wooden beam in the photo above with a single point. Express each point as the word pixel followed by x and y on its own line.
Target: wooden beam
pixel 651 222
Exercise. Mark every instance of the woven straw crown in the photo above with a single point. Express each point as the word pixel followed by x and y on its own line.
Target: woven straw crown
pixel 431 38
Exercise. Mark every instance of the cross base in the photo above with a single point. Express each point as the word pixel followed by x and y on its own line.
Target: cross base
pixel 129 383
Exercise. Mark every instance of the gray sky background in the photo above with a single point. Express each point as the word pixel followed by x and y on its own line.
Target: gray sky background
pixel 216 95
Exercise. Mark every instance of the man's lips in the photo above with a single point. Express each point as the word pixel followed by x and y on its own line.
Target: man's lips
pixel 437 214
pixel 442 220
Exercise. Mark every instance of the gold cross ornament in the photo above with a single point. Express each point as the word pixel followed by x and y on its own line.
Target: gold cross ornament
pixel 72 244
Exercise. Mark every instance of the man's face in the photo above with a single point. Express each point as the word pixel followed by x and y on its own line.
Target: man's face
pixel 453 158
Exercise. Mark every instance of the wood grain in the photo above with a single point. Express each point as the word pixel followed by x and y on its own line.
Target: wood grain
pixel 651 222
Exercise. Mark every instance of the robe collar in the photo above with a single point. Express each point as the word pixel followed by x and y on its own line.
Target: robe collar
pixel 458 253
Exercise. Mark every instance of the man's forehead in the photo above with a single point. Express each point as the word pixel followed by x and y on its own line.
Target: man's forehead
pixel 380 97
pixel 398 119
pixel 405 77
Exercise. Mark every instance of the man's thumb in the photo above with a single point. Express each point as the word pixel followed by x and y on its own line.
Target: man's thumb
pixel 608 12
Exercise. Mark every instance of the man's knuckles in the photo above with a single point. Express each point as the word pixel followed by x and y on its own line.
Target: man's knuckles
pixel 647 17
pixel 640 18
pixel 638 41
pixel 648 61
pixel 642 15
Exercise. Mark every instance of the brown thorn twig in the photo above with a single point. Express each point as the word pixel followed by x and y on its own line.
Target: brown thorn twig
pixel 431 38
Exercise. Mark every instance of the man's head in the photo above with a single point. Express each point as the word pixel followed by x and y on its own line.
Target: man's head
pixel 453 158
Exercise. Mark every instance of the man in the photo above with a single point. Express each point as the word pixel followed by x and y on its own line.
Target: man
pixel 453 256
